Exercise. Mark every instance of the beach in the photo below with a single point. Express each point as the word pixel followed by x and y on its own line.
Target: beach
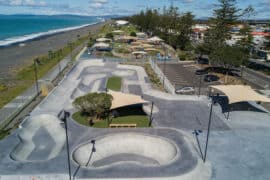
pixel 15 56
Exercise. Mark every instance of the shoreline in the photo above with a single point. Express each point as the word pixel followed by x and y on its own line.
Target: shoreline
pixel 36 36
pixel 15 57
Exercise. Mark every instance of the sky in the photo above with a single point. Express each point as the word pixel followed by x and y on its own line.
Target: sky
pixel 200 8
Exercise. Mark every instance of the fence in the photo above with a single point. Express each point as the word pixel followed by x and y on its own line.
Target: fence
pixel 166 83
pixel 11 110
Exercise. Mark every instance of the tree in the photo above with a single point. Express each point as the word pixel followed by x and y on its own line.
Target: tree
pixel 225 16
pixel 94 104
pixel 229 57
pixel 133 34
pixel 109 35
pixel 171 25
pixel 247 39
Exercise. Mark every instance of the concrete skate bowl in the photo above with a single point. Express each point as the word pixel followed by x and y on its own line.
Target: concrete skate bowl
pixel 130 148
pixel 41 138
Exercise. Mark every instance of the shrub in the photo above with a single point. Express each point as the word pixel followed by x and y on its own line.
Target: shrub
pixel 109 35
pixel 133 34
pixel 122 50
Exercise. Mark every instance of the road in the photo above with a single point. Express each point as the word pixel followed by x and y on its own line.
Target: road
pixel 256 79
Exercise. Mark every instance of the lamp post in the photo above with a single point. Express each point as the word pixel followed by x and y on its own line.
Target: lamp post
pixel 64 119
pixel 36 75
pixel 164 65
pixel 200 84
pixel 151 114
pixel 209 126
pixel 208 131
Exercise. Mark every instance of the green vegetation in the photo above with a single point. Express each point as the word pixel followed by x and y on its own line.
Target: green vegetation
pixel 185 55
pixel 114 83
pixel 109 35
pixel 127 115
pixel 164 23
pixel 4 133
pixel 226 15
pixel 107 29
pixel 133 34
pixel 24 78
pixel 153 77
pixel 3 87
pixel 95 105
pixel 122 50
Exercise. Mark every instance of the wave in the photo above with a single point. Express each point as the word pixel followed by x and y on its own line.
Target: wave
pixel 25 38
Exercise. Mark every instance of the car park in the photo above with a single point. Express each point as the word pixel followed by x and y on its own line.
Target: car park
pixel 201 72
pixel 211 78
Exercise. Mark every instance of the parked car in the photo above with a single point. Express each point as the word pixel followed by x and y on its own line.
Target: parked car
pixel 185 90
pixel 203 60
pixel 211 78
pixel 201 72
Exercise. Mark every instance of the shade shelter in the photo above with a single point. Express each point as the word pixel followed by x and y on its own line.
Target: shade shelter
pixel 118 32
pixel 141 35
pixel 121 99
pixel 235 93
pixel 151 50
pixel 125 39
pixel 102 47
pixel 103 40
pixel 155 40
pixel 147 45
pixel 139 53
pixel 240 93
pixel 121 23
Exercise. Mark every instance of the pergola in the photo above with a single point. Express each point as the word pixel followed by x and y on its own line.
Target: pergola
pixel 118 32
pixel 101 45
pixel 121 99
pixel 103 40
pixel 155 39
pixel 240 93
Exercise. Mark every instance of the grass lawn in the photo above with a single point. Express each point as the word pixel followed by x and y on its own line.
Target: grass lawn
pixel 127 115
pixel 114 83
pixel 24 78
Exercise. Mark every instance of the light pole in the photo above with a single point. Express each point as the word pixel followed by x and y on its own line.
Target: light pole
pixel 200 84
pixel 209 125
pixel 151 114
pixel 36 75
pixel 64 119
pixel 208 130
pixel 164 66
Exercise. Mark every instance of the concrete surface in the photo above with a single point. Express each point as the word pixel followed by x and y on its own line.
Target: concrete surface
pixel 158 149
pixel 41 138
pixel 238 147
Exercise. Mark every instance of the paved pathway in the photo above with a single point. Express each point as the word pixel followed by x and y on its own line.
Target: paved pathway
pixel 20 101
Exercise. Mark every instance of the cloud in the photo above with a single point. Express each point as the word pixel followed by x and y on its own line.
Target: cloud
pixel 27 3
pixel 97 3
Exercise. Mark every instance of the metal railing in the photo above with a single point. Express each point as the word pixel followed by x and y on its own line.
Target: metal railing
pixel 166 83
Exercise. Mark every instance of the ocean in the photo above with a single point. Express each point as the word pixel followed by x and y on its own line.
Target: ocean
pixel 20 28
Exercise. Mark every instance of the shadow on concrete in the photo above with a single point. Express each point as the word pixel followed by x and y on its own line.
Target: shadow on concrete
pixel 223 101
